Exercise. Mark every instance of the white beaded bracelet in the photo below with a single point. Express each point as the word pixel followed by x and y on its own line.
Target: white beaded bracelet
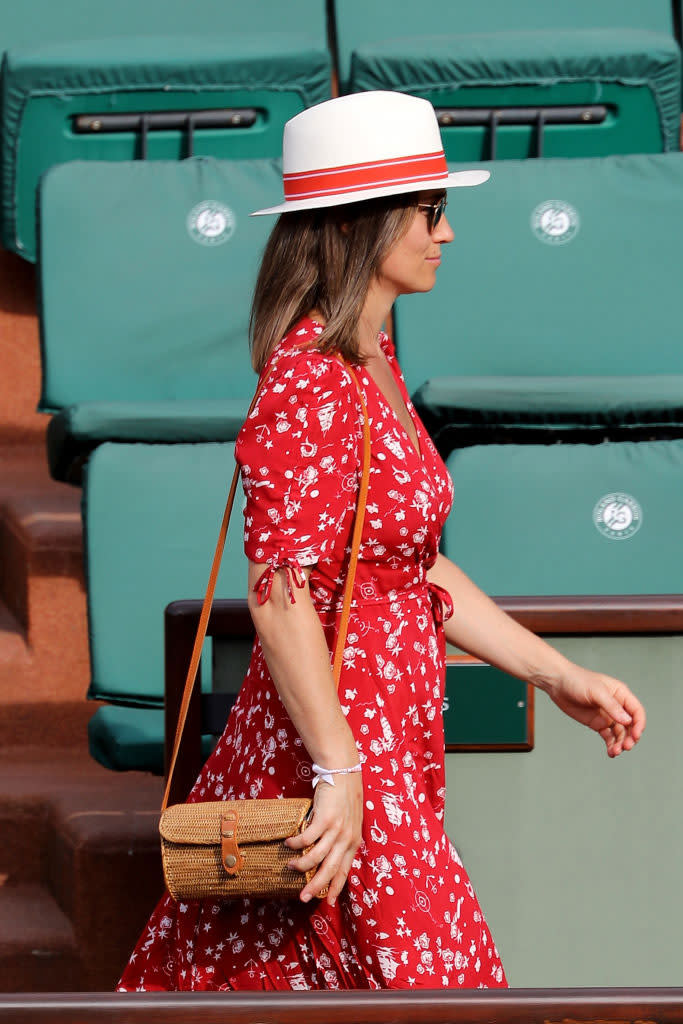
pixel 325 774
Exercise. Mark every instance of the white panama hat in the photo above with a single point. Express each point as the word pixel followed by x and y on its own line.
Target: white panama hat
pixel 362 146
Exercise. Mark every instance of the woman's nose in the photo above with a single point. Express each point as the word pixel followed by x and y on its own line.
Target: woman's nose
pixel 443 232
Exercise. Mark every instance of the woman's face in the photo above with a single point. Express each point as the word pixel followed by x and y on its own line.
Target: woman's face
pixel 412 263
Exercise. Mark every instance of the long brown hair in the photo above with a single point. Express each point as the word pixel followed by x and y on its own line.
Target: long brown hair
pixel 324 260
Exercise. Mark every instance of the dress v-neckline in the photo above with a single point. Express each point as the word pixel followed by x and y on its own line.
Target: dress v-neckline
pixel 407 405
pixel 417 448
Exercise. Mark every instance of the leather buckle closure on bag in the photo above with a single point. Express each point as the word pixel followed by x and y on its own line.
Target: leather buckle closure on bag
pixel 231 857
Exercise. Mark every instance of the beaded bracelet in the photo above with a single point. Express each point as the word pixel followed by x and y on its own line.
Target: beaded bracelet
pixel 325 774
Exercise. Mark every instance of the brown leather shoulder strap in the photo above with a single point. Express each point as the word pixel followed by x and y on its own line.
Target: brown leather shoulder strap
pixel 218 554
pixel 356 536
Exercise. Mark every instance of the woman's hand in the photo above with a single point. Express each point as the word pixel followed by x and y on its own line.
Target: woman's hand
pixel 603 703
pixel 335 829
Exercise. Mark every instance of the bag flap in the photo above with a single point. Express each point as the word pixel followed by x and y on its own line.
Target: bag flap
pixel 258 821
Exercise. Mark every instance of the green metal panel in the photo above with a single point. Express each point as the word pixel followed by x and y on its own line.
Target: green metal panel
pixel 359 23
pixel 152 515
pixel 598 298
pixel 485 707
pixel 576 857
pixel 568 519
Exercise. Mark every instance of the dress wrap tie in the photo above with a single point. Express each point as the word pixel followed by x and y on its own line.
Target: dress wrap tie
pixel 442 604
pixel 294 576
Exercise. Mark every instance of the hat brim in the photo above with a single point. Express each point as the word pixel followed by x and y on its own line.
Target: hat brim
pixel 457 179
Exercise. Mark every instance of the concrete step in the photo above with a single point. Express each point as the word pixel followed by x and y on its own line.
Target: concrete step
pixel 14 652
pixel 19 340
pixel 104 868
pixel 43 621
pixel 40 538
pixel 24 829
pixel 38 951
pixel 90 837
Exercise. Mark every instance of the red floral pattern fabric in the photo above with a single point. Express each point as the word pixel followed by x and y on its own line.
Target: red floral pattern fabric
pixel 408 916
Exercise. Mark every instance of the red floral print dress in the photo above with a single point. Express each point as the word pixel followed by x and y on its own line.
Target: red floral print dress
pixel 408 916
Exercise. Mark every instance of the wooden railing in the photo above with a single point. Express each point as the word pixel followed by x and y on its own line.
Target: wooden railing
pixel 577 615
pixel 515 1006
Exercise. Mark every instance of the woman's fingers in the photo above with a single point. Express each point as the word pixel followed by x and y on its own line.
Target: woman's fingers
pixel 613 736
pixel 619 738
pixel 331 875
pixel 620 718
pixel 332 855
pixel 315 855
pixel 637 713
pixel 339 880
pixel 310 835
pixel 612 707
pixel 331 838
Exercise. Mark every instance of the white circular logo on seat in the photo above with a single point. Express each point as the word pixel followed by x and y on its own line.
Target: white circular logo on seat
pixel 618 516
pixel 211 223
pixel 555 222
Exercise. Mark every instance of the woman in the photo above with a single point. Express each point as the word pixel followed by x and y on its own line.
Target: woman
pixel 363 222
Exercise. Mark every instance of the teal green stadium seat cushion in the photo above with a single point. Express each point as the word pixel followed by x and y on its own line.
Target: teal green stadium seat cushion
pixel 131 738
pixel 568 519
pixel 529 54
pixel 123 738
pixel 146 273
pixel 147 57
pixel 151 520
pixel 75 431
pixel 557 304
pixel 455 409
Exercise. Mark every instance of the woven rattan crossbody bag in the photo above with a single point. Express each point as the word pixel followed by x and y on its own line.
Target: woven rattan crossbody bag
pixel 231 848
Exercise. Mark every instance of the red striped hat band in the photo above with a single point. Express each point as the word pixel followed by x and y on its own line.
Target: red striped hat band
pixel 329 181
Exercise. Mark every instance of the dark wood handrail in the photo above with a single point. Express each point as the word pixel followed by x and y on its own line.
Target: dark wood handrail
pixel 580 613
pixel 598 614
pixel 564 615
pixel 515 1006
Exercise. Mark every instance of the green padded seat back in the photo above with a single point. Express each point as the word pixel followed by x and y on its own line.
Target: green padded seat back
pixel 70 59
pixel 359 24
pixel 146 275
pixel 152 515
pixel 494 55
pixel 34 23
pixel 568 519
pixel 559 269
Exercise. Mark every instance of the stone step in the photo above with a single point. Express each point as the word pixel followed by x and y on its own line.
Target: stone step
pixel 90 837
pixel 40 538
pixel 14 652
pixel 43 622
pixel 24 829
pixel 38 951
pixel 20 425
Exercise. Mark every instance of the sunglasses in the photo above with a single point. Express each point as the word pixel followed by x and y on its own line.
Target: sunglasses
pixel 435 211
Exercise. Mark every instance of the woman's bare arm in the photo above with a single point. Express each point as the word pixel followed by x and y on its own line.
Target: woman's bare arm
pixel 481 628
pixel 298 660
